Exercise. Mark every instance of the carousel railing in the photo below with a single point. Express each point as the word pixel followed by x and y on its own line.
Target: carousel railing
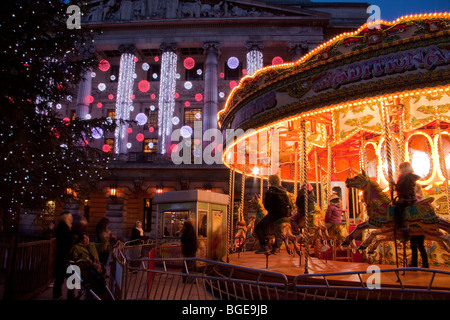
pixel 191 279
pixel 177 278
pixel 333 286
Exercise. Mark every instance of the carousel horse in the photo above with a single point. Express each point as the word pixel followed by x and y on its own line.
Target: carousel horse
pixel 421 216
pixel 280 229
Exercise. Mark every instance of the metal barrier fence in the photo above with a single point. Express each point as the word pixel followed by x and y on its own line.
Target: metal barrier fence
pixel 332 287
pixel 155 278
pixel 27 266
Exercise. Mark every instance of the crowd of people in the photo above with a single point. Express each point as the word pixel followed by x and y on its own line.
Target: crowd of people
pixel 73 244
pixel 277 204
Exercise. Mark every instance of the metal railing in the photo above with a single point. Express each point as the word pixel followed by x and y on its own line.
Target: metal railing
pixel 156 278
pixel 27 266
pixel 332 286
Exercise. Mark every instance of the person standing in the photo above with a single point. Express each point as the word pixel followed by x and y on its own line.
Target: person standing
pixel 64 243
pixel 278 206
pixel 406 196
pixel 188 244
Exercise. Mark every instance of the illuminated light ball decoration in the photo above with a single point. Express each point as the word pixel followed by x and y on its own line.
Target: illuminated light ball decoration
pixel 176 95
pixel 93 74
pixel 233 63
pixel 175 121
pixel 189 63
pixel 110 96
pixel 186 131
pixel 150 145
pixel 112 78
pixel 221 94
pixel 99 105
pixel 151 129
pixel 89 99
pixel 101 86
pixel 130 130
pixel 140 137
pixel 198 97
pixel 152 108
pixel 104 65
pixel 145 66
pixel 156 59
pixel 233 84
pixel 144 85
pixel 97 133
pixel 153 96
pixel 66 121
pixel 277 60
pixel 188 85
pixel 244 71
pixel 198 115
pixel 136 59
pixel 129 145
pixel 141 119
pixel 222 75
pixel 187 104
pixel 174 148
pixel 106 148
pixel 132 97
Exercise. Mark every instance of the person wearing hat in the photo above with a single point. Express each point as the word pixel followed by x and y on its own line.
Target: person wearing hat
pixel 334 211
pixel 277 204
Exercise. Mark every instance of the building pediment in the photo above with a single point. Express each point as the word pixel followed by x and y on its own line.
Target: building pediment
pixel 108 11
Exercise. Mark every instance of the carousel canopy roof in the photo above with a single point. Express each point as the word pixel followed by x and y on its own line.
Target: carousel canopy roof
pixel 342 96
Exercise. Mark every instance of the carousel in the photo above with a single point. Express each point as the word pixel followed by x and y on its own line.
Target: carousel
pixel 342 119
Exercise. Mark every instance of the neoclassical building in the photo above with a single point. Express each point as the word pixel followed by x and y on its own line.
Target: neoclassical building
pixel 170 65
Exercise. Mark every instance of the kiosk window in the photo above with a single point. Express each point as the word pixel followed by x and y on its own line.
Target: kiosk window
pixel 202 223
pixel 173 222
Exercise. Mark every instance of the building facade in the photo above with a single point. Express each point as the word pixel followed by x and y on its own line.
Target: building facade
pixel 170 66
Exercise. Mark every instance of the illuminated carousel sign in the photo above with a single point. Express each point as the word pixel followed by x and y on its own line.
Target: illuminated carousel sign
pixel 364 100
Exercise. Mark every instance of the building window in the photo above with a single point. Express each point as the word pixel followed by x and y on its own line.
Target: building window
pixel 150 145
pixel 110 143
pixel 196 73
pixel 73 115
pixel 154 72
pixel 233 74
pixel 191 115
pixel 173 222
pixel 152 118
pixel 111 113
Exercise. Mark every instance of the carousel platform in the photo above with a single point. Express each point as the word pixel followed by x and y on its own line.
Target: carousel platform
pixel 344 273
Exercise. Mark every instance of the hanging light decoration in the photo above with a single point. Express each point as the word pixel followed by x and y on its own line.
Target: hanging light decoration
pixel 104 65
pixel 233 63
pixel 189 63
pixel 124 101
pixel 166 97
pixel 254 61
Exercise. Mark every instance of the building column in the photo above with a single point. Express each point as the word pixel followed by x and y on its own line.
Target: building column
pixel 210 105
pixel 85 86
pixel 167 88
pixel 254 56
pixel 297 50
pixel 123 99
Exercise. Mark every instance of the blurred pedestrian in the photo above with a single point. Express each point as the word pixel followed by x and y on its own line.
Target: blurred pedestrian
pixel 64 243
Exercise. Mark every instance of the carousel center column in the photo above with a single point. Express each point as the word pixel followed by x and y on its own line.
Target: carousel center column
pixel 124 93
pixel 210 106
pixel 166 95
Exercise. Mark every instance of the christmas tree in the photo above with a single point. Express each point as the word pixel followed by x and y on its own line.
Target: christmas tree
pixel 43 152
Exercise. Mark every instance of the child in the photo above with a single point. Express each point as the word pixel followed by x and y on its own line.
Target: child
pixel 334 211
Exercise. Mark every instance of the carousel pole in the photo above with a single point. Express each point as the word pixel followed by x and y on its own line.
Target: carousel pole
pixel 230 212
pixel 241 206
pixel 387 138
pixel 304 182
pixel 296 170
pixel 442 164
